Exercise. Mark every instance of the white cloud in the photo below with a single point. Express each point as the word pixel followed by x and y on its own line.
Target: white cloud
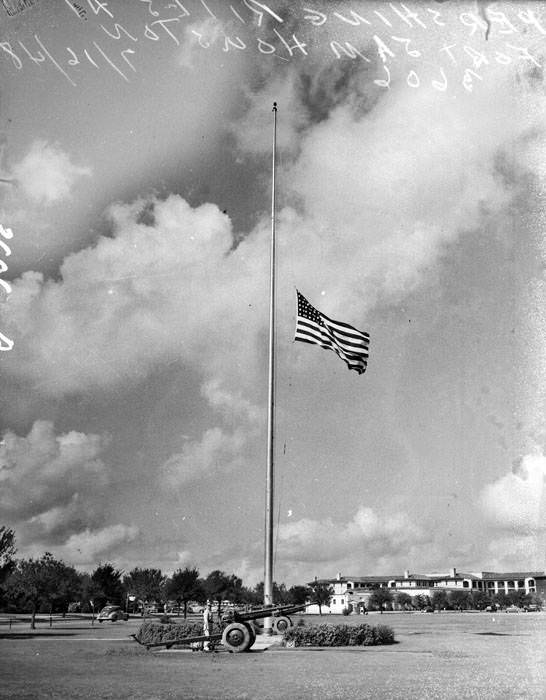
pixel 216 451
pixel 231 403
pixel 43 472
pixel 516 500
pixel 46 174
pixel 184 558
pixel 372 535
pixel 91 546
pixel 178 290
pixel 149 295
pixel 54 492
pixel 516 552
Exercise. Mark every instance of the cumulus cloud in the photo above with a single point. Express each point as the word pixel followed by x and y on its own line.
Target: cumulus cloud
pixel 53 493
pixel 231 403
pixel 179 288
pixel 46 174
pixel 91 546
pixel 371 534
pixel 509 552
pixel 149 295
pixel 43 472
pixel 516 500
pixel 184 558
pixel 217 450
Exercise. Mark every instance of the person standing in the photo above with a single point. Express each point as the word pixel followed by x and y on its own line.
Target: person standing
pixel 207 624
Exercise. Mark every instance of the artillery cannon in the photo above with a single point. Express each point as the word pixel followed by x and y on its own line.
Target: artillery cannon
pixel 238 628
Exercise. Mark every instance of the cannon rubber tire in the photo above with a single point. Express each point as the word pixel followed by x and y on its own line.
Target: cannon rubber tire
pixel 281 624
pixel 252 631
pixel 236 637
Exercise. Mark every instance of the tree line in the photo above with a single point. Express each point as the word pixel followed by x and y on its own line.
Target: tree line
pixel 384 599
pixel 48 585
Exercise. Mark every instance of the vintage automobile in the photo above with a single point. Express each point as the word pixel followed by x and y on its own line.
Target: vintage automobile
pixel 112 613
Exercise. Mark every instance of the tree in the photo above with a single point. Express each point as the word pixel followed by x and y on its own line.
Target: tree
pixel 108 585
pixel 479 600
pixel 321 593
pixel 420 602
pixel 440 600
pixel 7 552
pixel 403 600
pixel 459 600
pixel 183 586
pixel 519 598
pixel 45 581
pixel 500 599
pixel 380 598
pixel 298 595
pixel 90 592
pixel 216 586
pixel 280 594
pixel 146 584
pixel 235 590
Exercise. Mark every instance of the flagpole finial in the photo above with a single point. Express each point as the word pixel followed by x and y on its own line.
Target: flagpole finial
pixel 274 107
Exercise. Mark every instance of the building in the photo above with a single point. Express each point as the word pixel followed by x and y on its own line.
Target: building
pixel 354 592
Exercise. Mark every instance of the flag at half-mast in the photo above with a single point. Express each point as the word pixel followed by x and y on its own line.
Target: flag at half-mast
pixel 350 344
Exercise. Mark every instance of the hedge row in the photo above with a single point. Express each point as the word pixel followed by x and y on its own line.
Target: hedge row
pixel 154 632
pixel 338 635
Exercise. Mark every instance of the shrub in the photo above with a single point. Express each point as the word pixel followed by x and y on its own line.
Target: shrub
pixel 153 632
pixel 384 634
pixel 338 635
pixel 345 611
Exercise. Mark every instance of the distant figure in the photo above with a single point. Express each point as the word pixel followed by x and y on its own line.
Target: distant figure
pixel 207 624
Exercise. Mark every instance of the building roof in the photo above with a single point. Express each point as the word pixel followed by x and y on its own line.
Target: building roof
pixel 512 574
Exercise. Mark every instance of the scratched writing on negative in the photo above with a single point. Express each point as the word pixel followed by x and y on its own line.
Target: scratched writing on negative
pixel 5 287
pixel 382 38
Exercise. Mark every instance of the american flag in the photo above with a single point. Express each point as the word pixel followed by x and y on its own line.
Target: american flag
pixel 350 344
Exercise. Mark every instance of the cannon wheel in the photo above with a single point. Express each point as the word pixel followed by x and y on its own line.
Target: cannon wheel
pixel 252 631
pixel 281 624
pixel 237 637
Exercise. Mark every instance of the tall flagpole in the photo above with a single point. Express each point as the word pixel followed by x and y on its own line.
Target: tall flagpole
pixel 268 567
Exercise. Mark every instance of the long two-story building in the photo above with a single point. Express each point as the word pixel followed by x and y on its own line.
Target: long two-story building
pixel 355 591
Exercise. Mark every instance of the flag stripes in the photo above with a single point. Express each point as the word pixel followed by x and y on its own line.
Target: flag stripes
pixel 350 344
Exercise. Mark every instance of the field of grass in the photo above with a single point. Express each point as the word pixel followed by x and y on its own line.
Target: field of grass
pixel 441 655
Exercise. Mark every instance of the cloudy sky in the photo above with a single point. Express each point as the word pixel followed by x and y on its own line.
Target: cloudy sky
pixel 135 177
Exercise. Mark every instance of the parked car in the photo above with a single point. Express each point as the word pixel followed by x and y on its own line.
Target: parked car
pixel 196 609
pixel 512 609
pixel 112 613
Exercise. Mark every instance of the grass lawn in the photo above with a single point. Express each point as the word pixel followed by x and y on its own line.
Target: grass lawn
pixel 447 655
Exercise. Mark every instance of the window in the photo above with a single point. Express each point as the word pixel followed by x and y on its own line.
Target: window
pixel 466 584
pixel 341 601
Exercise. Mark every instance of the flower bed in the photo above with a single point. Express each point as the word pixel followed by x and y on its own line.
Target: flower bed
pixel 338 636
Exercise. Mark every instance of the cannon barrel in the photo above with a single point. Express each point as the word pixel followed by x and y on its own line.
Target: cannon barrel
pixel 267 612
